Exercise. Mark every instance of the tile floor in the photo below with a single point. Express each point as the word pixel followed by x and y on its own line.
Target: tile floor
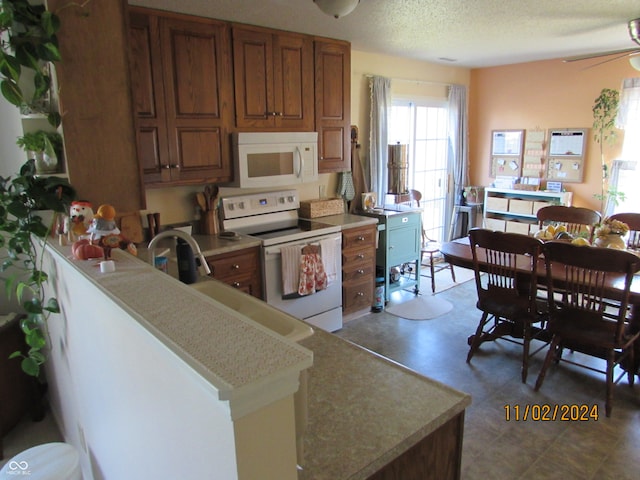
pixel 494 448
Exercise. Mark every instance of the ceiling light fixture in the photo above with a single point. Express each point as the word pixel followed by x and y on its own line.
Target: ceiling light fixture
pixel 337 8
pixel 635 62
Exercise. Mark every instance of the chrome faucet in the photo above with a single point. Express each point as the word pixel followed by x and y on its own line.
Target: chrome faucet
pixel 204 266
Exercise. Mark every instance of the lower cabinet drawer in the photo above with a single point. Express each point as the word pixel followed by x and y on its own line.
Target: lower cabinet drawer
pixel 351 257
pixel 358 273
pixel 235 264
pixel 357 295
pixel 247 285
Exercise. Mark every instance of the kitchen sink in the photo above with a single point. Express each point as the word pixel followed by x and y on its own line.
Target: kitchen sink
pixel 260 312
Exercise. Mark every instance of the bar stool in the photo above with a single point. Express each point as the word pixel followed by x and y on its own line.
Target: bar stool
pixel 50 461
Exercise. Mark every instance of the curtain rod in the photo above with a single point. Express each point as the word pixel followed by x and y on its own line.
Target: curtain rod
pixel 426 82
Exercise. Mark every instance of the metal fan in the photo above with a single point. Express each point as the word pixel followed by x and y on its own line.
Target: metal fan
pixel 634 33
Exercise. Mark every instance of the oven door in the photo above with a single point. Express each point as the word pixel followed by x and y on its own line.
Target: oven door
pixel 322 309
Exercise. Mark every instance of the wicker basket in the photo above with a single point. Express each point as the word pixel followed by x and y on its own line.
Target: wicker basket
pixel 321 207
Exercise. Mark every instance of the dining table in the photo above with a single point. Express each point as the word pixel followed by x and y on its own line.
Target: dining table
pixel 458 252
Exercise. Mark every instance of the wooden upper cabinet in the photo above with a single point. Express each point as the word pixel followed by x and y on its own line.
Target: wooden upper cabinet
pixel 273 79
pixel 99 132
pixel 332 104
pixel 183 97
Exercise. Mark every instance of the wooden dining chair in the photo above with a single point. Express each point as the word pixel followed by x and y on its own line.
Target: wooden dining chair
pixel 578 220
pixel 579 322
pixel 431 249
pixel 506 295
pixel 633 220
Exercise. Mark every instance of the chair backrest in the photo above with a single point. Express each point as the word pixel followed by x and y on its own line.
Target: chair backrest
pixel 415 196
pixel 577 219
pixel 633 220
pixel 585 275
pixel 504 257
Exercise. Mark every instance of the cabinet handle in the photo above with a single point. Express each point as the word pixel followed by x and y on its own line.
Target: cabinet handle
pixel 360 271
pixel 235 284
pixel 235 266
pixel 360 238
pixel 360 294
pixel 175 166
pixel 360 256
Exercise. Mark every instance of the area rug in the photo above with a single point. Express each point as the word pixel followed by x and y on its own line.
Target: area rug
pixel 420 308
pixel 443 279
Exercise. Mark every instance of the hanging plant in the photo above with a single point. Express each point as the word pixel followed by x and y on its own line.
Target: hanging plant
pixel 29 42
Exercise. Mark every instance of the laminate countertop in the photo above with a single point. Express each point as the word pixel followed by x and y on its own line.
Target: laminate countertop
pixel 366 410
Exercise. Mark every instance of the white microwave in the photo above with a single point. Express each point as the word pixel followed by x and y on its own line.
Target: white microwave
pixel 274 159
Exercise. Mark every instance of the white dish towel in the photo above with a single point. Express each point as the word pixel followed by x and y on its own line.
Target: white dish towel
pixel 330 254
pixel 290 256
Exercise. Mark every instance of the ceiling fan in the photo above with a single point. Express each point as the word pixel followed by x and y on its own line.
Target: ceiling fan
pixel 634 33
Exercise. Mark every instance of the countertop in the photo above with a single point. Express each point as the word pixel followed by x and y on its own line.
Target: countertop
pixel 365 410
pixel 346 220
pixel 229 350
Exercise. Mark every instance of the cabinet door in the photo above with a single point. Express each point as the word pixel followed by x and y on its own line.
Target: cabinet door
pixel 148 96
pixel 293 82
pixel 198 82
pixel 332 104
pixel 253 73
pixel 273 79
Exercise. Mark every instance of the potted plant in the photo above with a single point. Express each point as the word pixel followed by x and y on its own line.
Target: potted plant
pixel 28 43
pixel 605 110
pixel 23 233
pixel 473 195
pixel 44 147
pixel 28 40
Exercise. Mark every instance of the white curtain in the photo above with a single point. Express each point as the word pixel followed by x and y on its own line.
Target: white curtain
pixel 458 148
pixel 380 94
pixel 624 170
pixel 629 109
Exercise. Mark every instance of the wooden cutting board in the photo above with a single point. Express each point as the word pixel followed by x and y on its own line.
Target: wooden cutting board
pixel 131 226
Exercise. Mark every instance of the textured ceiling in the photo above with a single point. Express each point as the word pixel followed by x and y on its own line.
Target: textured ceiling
pixel 465 33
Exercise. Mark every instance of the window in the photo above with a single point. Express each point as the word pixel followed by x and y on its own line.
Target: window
pixel 422 125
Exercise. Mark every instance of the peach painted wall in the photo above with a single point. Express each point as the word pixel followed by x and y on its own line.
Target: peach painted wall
pixel 541 95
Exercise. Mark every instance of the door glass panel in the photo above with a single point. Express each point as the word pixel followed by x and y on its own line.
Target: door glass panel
pixel 269 164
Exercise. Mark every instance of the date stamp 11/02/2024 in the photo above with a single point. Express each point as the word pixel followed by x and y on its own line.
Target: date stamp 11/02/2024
pixel 545 412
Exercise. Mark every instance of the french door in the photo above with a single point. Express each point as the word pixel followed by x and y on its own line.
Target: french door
pixel 422 125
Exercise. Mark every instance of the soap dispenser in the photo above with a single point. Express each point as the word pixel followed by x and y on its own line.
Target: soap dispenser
pixel 187 270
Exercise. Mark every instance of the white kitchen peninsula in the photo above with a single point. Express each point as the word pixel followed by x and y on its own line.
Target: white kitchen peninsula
pixel 149 379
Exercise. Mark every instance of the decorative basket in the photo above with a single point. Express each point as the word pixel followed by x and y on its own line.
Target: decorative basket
pixel 321 207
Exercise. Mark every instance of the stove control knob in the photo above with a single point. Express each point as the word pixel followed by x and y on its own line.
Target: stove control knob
pixel 231 206
pixel 280 199
pixel 290 199
pixel 241 205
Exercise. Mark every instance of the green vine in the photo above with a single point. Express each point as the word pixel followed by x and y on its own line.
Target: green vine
pixel 28 43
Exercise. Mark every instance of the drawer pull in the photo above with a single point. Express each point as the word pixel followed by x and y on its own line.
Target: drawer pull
pixel 360 271
pixel 360 238
pixel 405 219
pixel 236 284
pixel 360 256
pixel 235 266
pixel 360 294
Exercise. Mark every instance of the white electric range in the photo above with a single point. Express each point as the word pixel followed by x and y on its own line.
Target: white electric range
pixel 272 217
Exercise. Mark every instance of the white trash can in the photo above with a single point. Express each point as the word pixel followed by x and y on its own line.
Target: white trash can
pixel 50 461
